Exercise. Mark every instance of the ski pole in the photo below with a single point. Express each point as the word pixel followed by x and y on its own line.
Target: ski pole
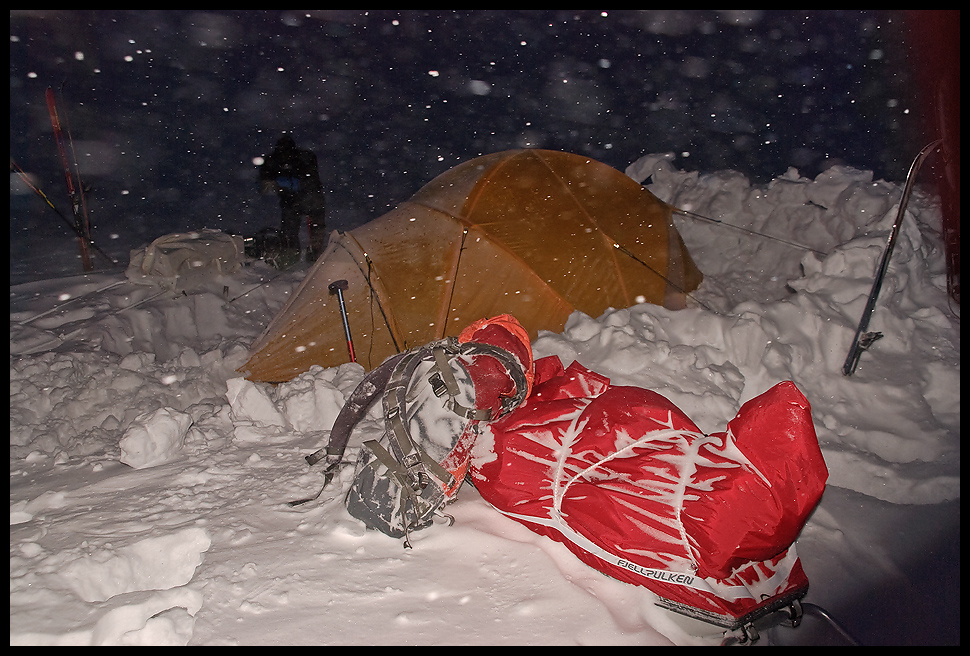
pixel 863 339
pixel 338 287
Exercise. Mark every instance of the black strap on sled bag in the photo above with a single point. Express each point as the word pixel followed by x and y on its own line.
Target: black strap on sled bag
pixel 399 482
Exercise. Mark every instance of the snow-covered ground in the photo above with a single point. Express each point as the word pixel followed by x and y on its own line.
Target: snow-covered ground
pixel 192 542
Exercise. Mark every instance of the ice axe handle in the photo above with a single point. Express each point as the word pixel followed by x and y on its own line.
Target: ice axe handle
pixel 337 287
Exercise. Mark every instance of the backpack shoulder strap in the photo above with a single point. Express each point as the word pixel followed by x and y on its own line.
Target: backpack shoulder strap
pixel 359 401
pixel 414 458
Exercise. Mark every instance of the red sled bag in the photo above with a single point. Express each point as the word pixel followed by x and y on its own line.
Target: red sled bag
pixel 629 484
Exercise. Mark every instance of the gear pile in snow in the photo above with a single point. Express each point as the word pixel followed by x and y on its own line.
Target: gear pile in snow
pixel 620 475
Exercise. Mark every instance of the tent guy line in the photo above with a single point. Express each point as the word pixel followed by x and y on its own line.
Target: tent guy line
pixel 695 215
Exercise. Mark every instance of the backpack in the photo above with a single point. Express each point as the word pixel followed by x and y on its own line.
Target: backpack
pixel 435 400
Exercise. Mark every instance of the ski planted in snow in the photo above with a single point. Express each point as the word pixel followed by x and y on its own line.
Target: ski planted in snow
pixel 74 191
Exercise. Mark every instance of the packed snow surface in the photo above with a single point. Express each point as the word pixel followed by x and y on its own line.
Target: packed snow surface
pixel 149 480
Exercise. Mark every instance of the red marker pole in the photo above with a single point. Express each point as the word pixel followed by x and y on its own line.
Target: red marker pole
pixel 337 287
pixel 76 193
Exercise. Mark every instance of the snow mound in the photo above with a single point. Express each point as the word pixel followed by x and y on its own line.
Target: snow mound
pixel 164 618
pixel 154 438
pixel 159 563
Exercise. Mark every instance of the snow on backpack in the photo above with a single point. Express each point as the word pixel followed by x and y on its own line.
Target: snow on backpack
pixel 435 399
pixel 627 482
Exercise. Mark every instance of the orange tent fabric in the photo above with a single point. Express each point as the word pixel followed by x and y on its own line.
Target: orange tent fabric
pixel 532 233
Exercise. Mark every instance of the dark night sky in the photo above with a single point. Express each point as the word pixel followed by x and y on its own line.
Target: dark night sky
pixel 168 109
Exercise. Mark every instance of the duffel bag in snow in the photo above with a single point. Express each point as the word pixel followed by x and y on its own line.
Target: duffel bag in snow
pixel 435 398
pixel 627 482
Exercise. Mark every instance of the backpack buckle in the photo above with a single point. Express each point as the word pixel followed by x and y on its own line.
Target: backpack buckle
pixel 437 385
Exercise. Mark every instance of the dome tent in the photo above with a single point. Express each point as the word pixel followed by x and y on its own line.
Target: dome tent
pixel 532 233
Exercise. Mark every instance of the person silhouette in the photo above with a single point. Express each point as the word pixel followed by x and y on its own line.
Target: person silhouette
pixel 293 175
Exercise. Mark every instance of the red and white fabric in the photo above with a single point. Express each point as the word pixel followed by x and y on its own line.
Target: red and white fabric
pixel 627 481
